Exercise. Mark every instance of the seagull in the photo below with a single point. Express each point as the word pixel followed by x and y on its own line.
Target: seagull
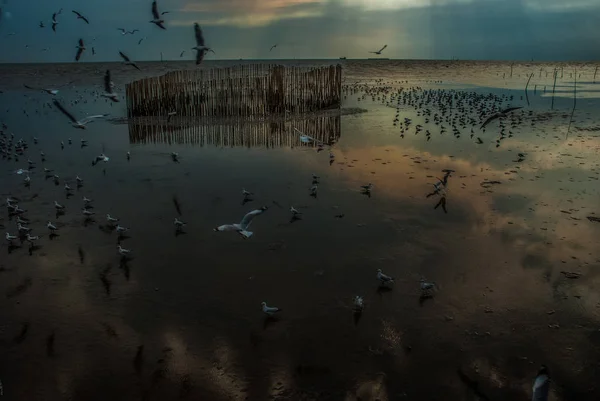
pixel 181 54
pixel 58 206
pixel 27 180
pixel 380 50
pixel 79 181
pixel 294 211
pixel 246 193
pixel 32 238
pixel 87 201
pixel 125 32
pixel 121 229
pixel 178 223
pixel 269 310
pixel 175 156
pixel 54 22
pixel 501 114
pixel 68 188
pixel 200 47
pixel 77 124
pixel 128 61
pixel 123 251
pixel 108 90
pixel 305 138
pixel 87 212
pixel 10 238
pixel 140 41
pixel 128 155
pixel 243 226
pixel 23 228
pixel 384 279
pixel 272 47
pixel 358 303
pixel 80 49
pixel 426 287
pixel 79 16
pixel 102 157
pixel 48 91
pixel 51 227
pixel 157 20
pixel 41 24
pixel 313 190
pixel 367 188
pixel 541 385
pixel 111 219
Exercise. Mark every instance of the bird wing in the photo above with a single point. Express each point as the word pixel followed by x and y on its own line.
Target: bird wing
pixel 140 41
pixel 85 19
pixel 165 12
pixel 124 57
pixel 92 118
pixel 64 111
pixel 76 13
pixel 272 47
pixel 382 48
pixel 245 223
pixel 155 10
pixel 78 55
pixel 121 29
pixel 160 25
pixel 511 109
pixel 107 87
pixel 181 54
pixel 200 56
pixel 199 36
pixel 490 119
pixel 54 27
pixel 134 31
pixel 54 17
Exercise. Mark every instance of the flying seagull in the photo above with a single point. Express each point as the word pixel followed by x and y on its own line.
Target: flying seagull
pixel 182 53
pixel 48 91
pixel 77 124
pixel 380 50
pixel 128 61
pixel 140 41
pixel 125 32
pixel 79 16
pixel 272 47
pixel 157 20
pixel 41 24
pixel 501 114
pixel 108 88
pixel 243 226
pixel 54 22
pixel 200 47
pixel 80 49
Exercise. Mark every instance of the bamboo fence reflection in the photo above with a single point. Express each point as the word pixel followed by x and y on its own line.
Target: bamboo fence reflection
pixel 241 91
pixel 236 133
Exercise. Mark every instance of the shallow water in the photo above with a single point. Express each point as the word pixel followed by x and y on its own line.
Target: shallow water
pixel 502 308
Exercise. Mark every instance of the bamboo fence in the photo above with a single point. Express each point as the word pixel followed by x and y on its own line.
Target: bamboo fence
pixel 241 91
pixel 236 133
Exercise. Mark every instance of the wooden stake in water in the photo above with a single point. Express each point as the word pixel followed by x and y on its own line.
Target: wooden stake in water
pixel 526 85
pixel 574 103
pixel 553 89
pixel 511 69
pixel 595 71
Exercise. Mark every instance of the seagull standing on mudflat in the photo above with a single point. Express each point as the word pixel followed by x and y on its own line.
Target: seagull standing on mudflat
pixel 128 61
pixel 243 226
pixel 79 16
pixel 500 114
pixel 108 88
pixel 157 20
pixel 269 310
pixel 383 278
pixel 200 48
pixel 77 124
pixel 80 49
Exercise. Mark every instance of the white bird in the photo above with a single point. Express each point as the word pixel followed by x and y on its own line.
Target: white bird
pixel 128 155
pixel 121 229
pixel 426 287
pixel 21 221
pixel 126 32
pixel 23 228
pixel 77 124
pixel 294 211
pixel 243 226
pixel 11 238
pixel 21 171
pixel 102 157
pixel 87 212
pixel 123 251
pixel 200 47
pixel 358 303
pixel 383 278
pixel 156 16
pixel 108 88
pixel 79 16
pixel 175 156
pixel 32 238
pixel 246 193
pixel 178 223
pixel 111 219
pixel 87 201
pixel 313 190
pixel 541 385
pixel 68 188
pixel 269 310
pixel 380 50
pixel 305 138
pixel 79 181
pixel 128 61
pixel 52 92
pixel 51 227
pixel 58 205
pixel 27 180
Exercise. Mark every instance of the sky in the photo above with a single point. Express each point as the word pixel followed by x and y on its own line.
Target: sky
pixel 311 29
